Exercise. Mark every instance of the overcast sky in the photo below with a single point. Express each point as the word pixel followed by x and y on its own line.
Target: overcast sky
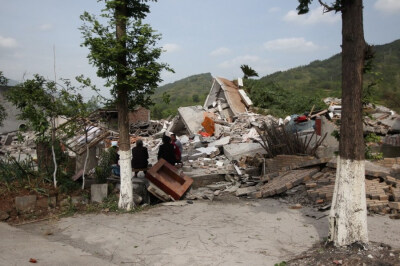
pixel 199 36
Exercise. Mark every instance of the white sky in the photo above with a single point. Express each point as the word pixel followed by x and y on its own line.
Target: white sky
pixel 199 36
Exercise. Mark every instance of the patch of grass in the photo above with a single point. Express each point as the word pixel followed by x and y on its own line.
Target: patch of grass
pixel 282 263
pixel 69 211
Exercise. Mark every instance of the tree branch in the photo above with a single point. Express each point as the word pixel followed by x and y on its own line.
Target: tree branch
pixel 328 8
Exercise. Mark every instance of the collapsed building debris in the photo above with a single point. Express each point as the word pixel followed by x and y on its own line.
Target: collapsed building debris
pixel 276 140
pixel 229 149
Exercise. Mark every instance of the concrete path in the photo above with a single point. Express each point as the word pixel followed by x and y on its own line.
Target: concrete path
pixel 17 247
pixel 261 232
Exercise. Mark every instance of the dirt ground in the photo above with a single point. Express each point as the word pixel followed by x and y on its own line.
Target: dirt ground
pixel 227 231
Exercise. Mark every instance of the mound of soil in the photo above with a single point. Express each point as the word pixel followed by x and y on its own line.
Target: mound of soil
pixel 356 254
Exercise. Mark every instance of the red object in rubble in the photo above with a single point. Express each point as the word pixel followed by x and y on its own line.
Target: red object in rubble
pixel 301 118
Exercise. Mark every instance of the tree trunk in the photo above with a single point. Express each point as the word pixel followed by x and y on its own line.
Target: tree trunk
pixel 126 194
pixel 53 138
pixel 348 216
pixel 86 158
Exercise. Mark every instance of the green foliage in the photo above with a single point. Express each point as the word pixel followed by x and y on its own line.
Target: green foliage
pixel 195 98
pixel 336 134
pixel 3 79
pixel 323 78
pixel 40 101
pixel 303 7
pixel 248 72
pixel 3 113
pixel 281 102
pixel 182 93
pixel 166 97
pixel 372 137
pixel 369 155
pixel 103 170
pixel 12 171
pixel 66 184
pixel 282 263
pixel 132 57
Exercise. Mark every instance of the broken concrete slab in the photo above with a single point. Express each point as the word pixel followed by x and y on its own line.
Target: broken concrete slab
pixel 201 193
pixel 233 188
pixel 220 142
pixel 219 186
pixel 285 182
pixel 192 117
pixel 175 203
pixel 208 150
pixel 245 191
pixel 158 193
pixel 25 203
pixel 371 169
pixel 235 151
pixel 221 130
pixel 396 126
pixel 202 179
pixel 98 192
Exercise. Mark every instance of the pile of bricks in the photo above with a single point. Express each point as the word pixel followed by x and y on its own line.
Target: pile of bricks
pixel 376 193
pixel 285 161
pixel 283 182
pixel 388 162
pixel 320 187
pixel 382 197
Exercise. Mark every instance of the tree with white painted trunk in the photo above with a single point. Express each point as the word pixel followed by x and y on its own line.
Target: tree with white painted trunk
pixel 124 52
pixel 348 216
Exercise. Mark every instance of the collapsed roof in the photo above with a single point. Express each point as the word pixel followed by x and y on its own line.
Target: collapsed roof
pixel 228 98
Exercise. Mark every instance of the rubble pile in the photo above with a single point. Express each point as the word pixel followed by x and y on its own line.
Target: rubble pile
pixel 229 149
pixel 145 128
pixel 19 145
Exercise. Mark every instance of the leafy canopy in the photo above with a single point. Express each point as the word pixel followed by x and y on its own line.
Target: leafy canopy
pixel 140 66
pixel 3 114
pixel 40 100
pixel 248 72
pixel 303 7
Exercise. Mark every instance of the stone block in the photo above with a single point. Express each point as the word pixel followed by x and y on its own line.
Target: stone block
pixel 220 142
pixel 98 192
pixel 245 191
pixel 383 197
pixel 394 205
pixel 78 200
pixel 42 203
pixel 52 202
pixel 235 151
pixel 25 203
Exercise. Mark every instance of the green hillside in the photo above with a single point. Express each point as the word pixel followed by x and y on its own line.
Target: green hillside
pixel 301 87
pixel 189 91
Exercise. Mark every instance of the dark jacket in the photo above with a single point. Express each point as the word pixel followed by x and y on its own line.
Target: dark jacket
pixel 167 152
pixel 139 157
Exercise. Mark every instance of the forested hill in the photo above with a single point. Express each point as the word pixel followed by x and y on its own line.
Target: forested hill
pixel 323 78
pixel 295 90
pixel 189 91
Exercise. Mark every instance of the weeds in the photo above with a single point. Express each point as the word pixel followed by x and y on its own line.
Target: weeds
pixel 103 170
